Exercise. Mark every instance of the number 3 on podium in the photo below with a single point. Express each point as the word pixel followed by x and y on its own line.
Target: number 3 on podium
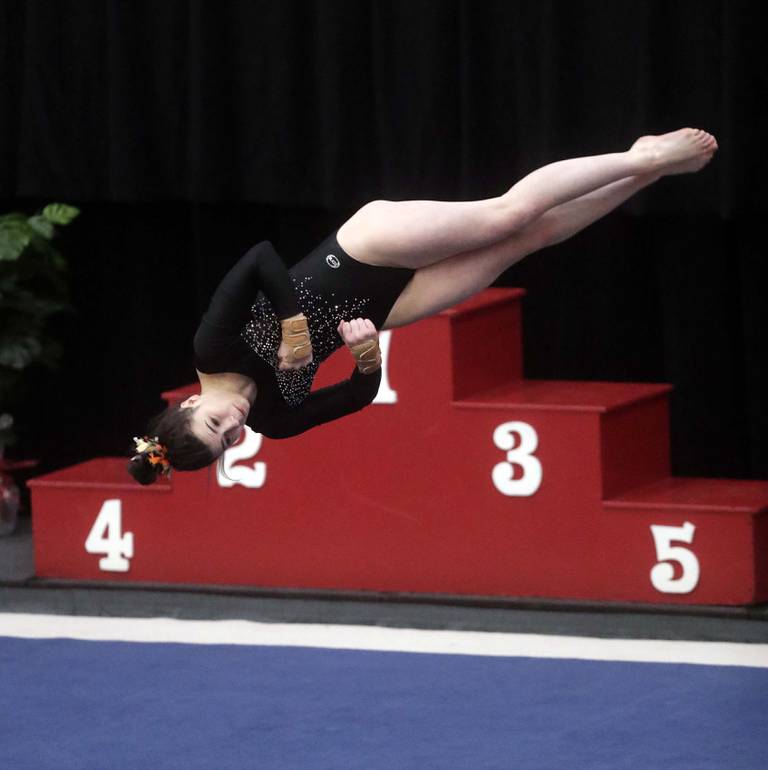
pixel 519 440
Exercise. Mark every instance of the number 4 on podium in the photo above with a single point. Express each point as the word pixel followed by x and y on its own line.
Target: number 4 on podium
pixel 106 536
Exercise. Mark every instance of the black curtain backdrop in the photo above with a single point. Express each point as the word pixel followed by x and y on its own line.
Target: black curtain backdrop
pixel 187 131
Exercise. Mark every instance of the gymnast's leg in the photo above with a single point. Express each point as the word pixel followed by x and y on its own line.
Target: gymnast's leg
pixel 443 284
pixel 419 233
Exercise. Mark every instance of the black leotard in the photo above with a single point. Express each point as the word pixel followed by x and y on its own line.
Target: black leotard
pixel 236 335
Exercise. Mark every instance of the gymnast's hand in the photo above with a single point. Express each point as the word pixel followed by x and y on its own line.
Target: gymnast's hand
pixel 295 348
pixel 362 339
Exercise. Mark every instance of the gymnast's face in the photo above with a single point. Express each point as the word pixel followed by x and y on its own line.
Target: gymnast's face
pixel 217 418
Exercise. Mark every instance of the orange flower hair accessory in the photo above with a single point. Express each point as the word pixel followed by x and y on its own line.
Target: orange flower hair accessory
pixel 156 452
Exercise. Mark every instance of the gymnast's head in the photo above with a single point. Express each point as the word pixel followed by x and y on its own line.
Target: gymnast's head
pixel 188 436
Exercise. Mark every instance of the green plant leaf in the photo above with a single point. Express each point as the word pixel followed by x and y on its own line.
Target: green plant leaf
pixel 13 216
pixel 43 255
pixel 33 291
pixel 14 238
pixel 20 352
pixel 41 226
pixel 60 213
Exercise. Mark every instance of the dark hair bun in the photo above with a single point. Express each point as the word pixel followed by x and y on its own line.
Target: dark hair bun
pixel 142 470
pixel 167 443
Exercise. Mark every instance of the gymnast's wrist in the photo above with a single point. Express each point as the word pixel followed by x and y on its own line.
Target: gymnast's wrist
pixel 295 324
pixel 287 322
pixel 295 334
pixel 368 356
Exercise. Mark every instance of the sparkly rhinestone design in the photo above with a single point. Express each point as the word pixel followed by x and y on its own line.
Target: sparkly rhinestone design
pixel 323 313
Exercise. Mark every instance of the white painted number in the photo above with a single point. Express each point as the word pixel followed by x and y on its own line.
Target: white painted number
pixel 228 474
pixel 519 454
pixel 385 395
pixel 663 574
pixel 106 537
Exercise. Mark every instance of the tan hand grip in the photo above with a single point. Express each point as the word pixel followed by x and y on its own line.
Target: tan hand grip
pixel 296 336
pixel 368 355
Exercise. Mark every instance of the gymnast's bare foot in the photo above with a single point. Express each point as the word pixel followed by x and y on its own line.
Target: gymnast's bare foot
pixel 679 152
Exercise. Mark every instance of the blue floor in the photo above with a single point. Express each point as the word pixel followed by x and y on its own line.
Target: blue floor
pixel 102 705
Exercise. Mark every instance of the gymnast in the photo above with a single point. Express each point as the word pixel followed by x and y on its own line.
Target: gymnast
pixel 267 329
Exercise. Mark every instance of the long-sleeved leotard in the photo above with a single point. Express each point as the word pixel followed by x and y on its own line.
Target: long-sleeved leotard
pixel 240 332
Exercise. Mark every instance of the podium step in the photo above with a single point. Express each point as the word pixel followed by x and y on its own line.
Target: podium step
pixel 564 395
pixel 77 512
pixel 702 536
pixel 100 473
pixel 677 493
pixel 625 425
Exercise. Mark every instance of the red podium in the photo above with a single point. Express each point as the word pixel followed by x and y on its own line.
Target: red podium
pixel 462 478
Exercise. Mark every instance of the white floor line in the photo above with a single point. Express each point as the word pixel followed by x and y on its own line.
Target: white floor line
pixel 244 632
